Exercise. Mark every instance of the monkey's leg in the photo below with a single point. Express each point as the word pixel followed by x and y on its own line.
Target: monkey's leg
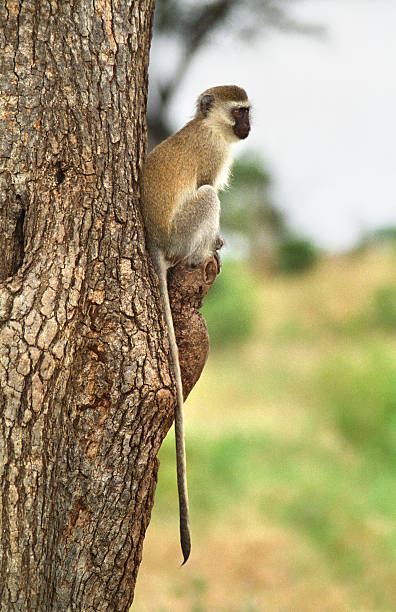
pixel 195 228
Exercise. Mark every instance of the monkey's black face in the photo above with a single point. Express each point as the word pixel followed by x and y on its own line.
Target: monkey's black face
pixel 241 127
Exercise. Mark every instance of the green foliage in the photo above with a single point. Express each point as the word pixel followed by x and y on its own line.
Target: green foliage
pixel 250 172
pixel 230 306
pixel 247 204
pixel 295 255
pixel 384 235
pixel 385 307
pixel 294 482
pixel 361 401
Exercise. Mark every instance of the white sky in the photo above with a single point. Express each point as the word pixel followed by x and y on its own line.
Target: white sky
pixel 324 114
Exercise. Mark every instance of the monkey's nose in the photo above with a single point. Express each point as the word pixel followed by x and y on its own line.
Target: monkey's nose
pixel 245 131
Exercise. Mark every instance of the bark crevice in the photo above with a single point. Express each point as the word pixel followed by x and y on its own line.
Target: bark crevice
pixel 12 218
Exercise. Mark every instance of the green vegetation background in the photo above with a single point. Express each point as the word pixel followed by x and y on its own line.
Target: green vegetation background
pixel 291 442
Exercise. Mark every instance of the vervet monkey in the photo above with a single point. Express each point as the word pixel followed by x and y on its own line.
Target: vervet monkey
pixel 181 210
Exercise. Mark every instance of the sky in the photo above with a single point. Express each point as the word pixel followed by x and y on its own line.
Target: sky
pixel 324 114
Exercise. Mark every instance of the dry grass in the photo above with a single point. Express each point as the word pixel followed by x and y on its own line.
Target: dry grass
pixel 241 568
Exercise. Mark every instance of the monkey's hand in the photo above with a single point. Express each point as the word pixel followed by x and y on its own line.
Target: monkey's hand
pixel 220 242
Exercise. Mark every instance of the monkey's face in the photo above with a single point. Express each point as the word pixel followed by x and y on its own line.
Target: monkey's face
pixel 241 127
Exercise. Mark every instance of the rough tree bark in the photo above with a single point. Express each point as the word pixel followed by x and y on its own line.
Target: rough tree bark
pixel 86 395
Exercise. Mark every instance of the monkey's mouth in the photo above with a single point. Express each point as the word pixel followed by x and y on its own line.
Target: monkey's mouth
pixel 242 131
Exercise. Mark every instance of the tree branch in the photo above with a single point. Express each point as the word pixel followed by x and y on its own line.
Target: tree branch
pixel 187 289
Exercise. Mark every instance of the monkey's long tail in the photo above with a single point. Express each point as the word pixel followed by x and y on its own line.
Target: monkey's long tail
pixel 185 539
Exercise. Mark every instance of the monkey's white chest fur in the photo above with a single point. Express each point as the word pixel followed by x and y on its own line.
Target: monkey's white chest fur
pixel 223 176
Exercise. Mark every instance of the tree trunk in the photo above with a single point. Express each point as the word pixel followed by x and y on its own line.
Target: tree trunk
pixel 86 394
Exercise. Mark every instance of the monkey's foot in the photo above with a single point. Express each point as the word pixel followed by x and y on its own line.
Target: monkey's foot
pixel 220 242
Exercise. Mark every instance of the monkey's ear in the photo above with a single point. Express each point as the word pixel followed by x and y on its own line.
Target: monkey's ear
pixel 206 103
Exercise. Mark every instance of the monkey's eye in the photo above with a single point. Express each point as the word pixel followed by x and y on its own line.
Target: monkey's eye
pixel 238 113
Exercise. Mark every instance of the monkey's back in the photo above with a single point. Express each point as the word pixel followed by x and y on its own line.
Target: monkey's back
pixel 174 170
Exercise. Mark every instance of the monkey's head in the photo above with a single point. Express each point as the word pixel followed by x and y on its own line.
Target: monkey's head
pixel 226 108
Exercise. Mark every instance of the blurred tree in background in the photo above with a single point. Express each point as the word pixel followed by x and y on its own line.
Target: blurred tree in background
pixel 252 224
pixel 191 24
pixel 381 237
pixel 296 255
